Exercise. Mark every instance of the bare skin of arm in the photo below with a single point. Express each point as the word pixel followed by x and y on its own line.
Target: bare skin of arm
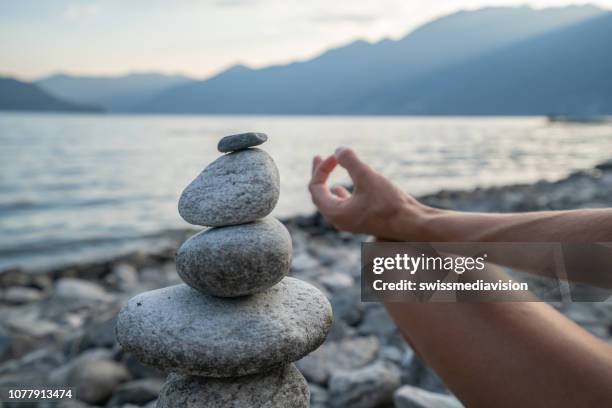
pixel 489 354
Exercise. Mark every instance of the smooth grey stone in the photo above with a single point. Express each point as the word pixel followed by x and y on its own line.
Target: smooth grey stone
pixel 60 375
pixel 241 141
pixel 236 188
pixel 180 329
pixel 376 321
pixel 71 403
pixel 279 388
pixel 366 387
pixel 417 373
pixel 318 396
pixel 19 295
pixel 98 334
pixel 347 306
pixel 236 260
pixel 347 354
pixel 337 281
pixel 137 392
pixel 412 397
pixel 340 330
pixel 124 277
pixel 81 290
pixel 94 381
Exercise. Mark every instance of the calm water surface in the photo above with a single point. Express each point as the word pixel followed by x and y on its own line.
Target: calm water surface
pixel 75 187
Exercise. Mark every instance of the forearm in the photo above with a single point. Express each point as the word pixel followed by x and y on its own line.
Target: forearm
pixel 532 355
pixel 546 226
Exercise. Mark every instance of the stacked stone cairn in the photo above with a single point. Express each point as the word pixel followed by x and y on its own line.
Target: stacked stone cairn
pixel 230 334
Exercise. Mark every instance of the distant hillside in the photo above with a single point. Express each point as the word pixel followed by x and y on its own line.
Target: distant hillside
pixel 17 95
pixel 350 79
pixel 113 93
pixel 562 72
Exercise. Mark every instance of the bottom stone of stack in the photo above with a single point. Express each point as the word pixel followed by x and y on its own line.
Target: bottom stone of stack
pixel 281 387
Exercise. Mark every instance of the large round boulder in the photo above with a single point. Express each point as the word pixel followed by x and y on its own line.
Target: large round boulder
pixel 182 330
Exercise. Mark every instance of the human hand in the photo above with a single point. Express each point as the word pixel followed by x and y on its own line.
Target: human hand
pixel 375 207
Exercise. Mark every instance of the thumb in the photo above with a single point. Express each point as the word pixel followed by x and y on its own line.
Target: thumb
pixel 348 159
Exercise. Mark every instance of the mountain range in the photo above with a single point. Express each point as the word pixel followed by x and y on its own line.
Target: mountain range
pixel 358 78
pixel 113 93
pixel 564 72
pixel 492 61
pixel 18 95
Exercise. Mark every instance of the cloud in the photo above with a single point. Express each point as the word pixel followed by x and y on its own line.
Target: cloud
pixel 79 11
pixel 345 17
pixel 232 3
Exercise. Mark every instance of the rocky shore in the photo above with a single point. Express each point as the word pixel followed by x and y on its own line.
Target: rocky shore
pixel 57 327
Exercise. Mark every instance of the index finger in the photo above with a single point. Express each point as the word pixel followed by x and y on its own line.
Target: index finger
pixel 315 163
pixel 323 170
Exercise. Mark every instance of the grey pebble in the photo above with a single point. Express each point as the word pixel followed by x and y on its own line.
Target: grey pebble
pixel 137 392
pixel 279 388
pixel 19 295
pixel 412 397
pixel 236 260
pixel 376 321
pixel 318 396
pixel 241 141
pixel 348 354
pixel 94 381
pixel 179 329
pixel 367 387
pixel 236 188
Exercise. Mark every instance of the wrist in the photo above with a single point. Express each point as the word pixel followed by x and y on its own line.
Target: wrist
pixel 428 224
pixel 417 222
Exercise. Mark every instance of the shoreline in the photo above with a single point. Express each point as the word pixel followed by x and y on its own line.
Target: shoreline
pixel 591 188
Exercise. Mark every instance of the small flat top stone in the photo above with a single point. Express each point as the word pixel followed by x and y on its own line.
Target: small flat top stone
pixel 241 141
pixel 179 329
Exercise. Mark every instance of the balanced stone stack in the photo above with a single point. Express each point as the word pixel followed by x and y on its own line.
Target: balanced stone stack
pixel 230 335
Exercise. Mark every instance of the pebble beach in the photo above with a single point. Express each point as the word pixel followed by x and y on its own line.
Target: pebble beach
pixel 57 326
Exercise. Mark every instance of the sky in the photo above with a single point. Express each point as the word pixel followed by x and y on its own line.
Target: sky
pixel 201 37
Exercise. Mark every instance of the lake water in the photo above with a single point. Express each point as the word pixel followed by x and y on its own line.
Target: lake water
pixel 76 187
